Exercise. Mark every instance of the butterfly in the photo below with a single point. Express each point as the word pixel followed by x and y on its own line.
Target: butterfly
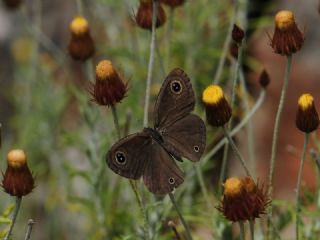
pixel 177 134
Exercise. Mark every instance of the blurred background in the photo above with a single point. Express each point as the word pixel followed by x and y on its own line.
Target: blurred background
pixel 45 108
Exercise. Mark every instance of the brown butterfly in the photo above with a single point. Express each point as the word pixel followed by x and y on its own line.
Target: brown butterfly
pixel 176 134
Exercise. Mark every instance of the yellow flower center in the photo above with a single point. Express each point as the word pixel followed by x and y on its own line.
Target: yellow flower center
pixel 284 19
pixel 79 25
pixel 305 101
pixel 16 158
pixel 212 94
pixel 104 69
pixel 232 187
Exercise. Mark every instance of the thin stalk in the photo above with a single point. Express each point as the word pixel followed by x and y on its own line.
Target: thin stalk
pixel 80 7
pixel 29 229
pixel 151 61
pixel 142 209
pixel 223 167
pixel 235 130
pixel 236 150
pixel 303 157
pixel 14 217
pixel 116 120
pixel 251 223
pixel 242 233
pixel 203 187
pixel 275 137
pixel 163 71
pixel 186 227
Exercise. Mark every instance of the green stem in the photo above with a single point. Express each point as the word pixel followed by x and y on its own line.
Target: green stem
pixel 184 223
pixel 223 168
pixel 303 157
pixel 235 130
pixel 80 7
pixel 14 217
pixel 251 223
pixel 151 61
pixel 275 138
pixel 116 120
pixel 142 209
pixel 242 233
pixel 236 150
pixel 29 229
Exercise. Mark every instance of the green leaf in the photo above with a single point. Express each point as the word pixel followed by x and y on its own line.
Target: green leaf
pixel 8 210
pixel 5 220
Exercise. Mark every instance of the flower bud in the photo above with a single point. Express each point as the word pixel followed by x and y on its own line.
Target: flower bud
pixel 218 110
pixel 237 34
pixel 173 3
pixel 109 87
pixel 287 38
pixel 81 46
pixel 144 15
pixel 17 180
pixel 264 79
pixel 307 119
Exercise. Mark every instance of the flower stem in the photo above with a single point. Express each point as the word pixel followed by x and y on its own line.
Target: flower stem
pixel 29 229
pixel 14 217
pixel 79 7
pixel 236 150
pixel 151 61
pixel 242 233
pixel 275 137
pixel 223 168
pixel 116 120
pixel 186 227
pixel 142 209
pixel 251 223
pixel 303 157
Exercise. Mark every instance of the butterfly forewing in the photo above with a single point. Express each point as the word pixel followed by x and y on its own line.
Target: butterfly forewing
pixel 175 100
pixel 186 137
pixel 161 175
pixel 129 156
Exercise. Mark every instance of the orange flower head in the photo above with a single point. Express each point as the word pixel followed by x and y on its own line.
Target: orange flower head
pixel 307 118
pixel 109 87
pixel 287 38
pixel 144 15
pixel 17 180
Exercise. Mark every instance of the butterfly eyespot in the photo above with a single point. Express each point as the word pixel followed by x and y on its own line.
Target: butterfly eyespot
pixel 176 87
pixel 120 158
pixel 171 180
pixel 196 148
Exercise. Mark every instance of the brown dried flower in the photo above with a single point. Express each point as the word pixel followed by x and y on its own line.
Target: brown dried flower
pixel 173 3
pixel 17 180
pixel 144 15
pixel 81 46
pixel 287 38
pixel 307 119
pixel 109 87
pixel 243 199
pixel 12 4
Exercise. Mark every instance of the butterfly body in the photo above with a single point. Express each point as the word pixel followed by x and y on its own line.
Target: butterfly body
pixel 177 134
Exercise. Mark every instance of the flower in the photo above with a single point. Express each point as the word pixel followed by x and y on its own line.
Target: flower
pixel 287 38
pixel 307 119
pixel 173 3
pixel 144 15
pixel 17 180
pixel 218 110
pixel 243 199
pixel 81 46
pixel 237 34
pixel 109 87
pixel 264 79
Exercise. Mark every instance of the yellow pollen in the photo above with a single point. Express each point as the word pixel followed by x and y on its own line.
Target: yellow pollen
pixel 284 19
pixel 79 25
pixel 212 94
pixel 104 69
pixel 16 158
pixel 232 187
pixel 305 101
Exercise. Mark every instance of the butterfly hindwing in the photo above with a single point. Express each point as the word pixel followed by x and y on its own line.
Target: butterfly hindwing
pixel 175 100
pixel 129 156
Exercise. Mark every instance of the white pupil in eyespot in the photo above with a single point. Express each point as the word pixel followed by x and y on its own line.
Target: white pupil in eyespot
pixel 171 180
pixel 196 148
pixel 176 87
pixel 120 158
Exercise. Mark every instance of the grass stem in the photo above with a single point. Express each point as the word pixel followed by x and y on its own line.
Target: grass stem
pixel 298 210
pixel 14 217
pixel 116 120
pixel 275 139
pixel 251 223
pixel 29 229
